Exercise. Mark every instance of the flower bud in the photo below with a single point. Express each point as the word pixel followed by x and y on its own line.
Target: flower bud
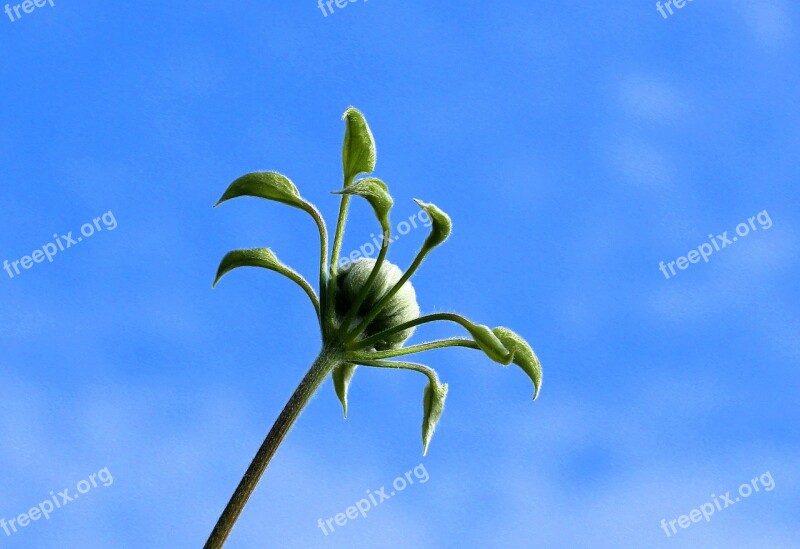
pixel 402 307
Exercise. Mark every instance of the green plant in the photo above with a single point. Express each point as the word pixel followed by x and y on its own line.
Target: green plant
pixel 366 310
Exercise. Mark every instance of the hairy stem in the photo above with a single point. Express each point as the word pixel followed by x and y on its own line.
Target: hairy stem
pixel 410 324
pixel 397 365
pixel 403 351
pixel 323 259
pixel 330 298
pixel 322 366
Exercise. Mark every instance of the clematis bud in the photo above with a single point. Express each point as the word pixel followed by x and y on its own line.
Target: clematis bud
pixel 402 307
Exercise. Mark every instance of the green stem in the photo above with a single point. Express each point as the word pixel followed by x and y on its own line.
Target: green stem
pixel 337 248
pixel 432 377
pixel 403 351
pixel 410 324
pixel 325 362
pixel 323 253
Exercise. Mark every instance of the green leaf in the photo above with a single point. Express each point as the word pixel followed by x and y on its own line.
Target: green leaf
pixel 258 257
pixel 269 185
pixel 358 151
pixel 342 375
pixel 266 259
pixel 432 408
pixel 376 193
pixel 441 225
pixel 524 357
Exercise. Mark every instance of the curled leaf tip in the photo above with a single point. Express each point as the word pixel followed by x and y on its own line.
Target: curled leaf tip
pixel 523 356
pixel 441 224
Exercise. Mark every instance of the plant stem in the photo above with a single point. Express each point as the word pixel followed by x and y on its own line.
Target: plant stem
pixel 403 351
pixel 323 257
pixel 325 362
pixel 410 324
pixel 330 298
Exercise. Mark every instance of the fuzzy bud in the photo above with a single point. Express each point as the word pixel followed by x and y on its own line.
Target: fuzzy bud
pixel 401 308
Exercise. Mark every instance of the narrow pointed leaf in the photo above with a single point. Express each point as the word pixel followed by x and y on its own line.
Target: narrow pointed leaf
pixel 524 357
pixel 269 185
pixel 342 375
pixel 376 193
pixel 432 408
pixel 441 225
pixel 358 151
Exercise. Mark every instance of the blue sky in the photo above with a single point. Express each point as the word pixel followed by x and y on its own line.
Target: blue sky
pixel 574 145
